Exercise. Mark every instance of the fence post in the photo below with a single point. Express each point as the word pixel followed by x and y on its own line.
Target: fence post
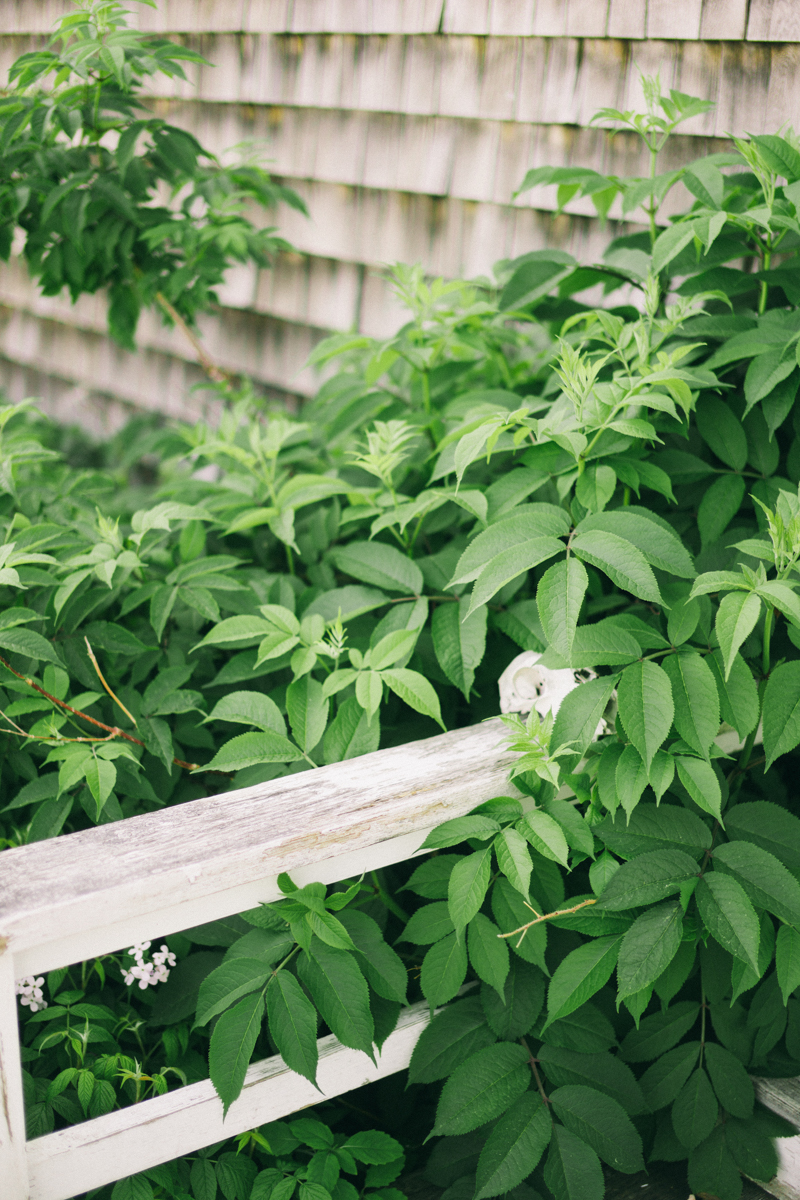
pixel 13 1157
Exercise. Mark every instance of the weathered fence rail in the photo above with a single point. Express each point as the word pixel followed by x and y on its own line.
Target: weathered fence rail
pixel 86 894
pixel 89 893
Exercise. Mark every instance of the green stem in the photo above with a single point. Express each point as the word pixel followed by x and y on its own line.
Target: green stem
pixel 651 208
pixel 426 393
pixel 762 297
pixel 289 558
pixel 767 639
pixel 391 904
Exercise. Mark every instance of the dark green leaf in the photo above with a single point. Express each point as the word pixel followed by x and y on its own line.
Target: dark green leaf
pixel 646 707
pixel 453 1036
pixel 694 1112
pixel 648 947
pixel 444 969
pixel 232 1045
pixel 482 1088
pixel 340 992
pixel 293 1024
pixel 572 1170
pixel 602 1123
pixel 514 1147
pixel 729 916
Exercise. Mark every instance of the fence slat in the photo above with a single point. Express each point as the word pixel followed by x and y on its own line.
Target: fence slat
pixel 180 866
pixel 155 1131
pixel 13 1159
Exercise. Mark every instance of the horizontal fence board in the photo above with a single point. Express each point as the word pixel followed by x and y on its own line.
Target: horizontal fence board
pixel 87 1156
pixel 145 864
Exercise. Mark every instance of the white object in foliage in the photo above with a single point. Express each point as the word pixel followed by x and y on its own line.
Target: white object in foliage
pixel 525 685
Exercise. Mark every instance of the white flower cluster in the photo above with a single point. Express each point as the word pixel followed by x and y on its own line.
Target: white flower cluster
pixel 148 974
pixel 30 991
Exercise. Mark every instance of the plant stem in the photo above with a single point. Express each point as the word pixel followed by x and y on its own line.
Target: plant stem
pixel 534 1069
pixel 391 904
pixel 767 639
pixel 209 366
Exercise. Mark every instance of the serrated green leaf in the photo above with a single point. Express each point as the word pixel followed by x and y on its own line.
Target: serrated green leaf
pixel 545 835
pixel 622 562
pixel 415 690
pixel 729 916
pixel 469 882
pixel 662 1082
pixel 249 749
pixel 735 620
pixel 453 1036
pixel 572 1170
pixel 648 878
pixel 482 1088
pixel 380 565
pixel 232 1045
pixel 765 879
pixel 227 984
pixel 559 597
pixel 646 707
pixel 730 1080
pixel 701 783
pixel 695 698
pixel 488 952
pixel 781 711
pixel 582 973
pixel 648 947
pixel 340 992
pixel 602 1123
pixel 444 969
pixel 293 1024
pixel 694 1112
pixel 459 642
pixel 514 1147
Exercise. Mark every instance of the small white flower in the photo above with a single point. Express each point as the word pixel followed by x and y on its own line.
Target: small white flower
pixel 147 974
pixel 29 989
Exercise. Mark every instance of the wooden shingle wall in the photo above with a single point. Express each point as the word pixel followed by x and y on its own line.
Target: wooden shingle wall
pixel 405 125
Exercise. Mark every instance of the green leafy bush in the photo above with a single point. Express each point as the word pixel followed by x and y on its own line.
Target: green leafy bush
pixel 614 489
pixel 110 197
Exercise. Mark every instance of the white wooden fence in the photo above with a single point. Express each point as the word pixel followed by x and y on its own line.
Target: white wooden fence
pixel 90 893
